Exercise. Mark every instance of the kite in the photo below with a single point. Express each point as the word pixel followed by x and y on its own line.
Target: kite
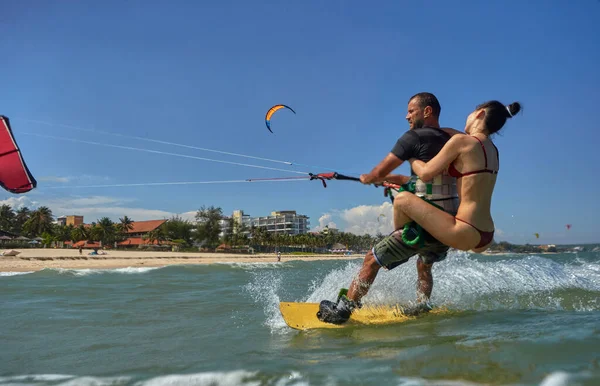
pixel 381 215
pixel 272 111
pixel 14 174
pixel 568 226
pixel 537 235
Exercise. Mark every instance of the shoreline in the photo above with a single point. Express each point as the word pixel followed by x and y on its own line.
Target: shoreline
pixel 36 259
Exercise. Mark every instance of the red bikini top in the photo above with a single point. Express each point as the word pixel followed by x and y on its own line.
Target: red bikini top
pixel 455 173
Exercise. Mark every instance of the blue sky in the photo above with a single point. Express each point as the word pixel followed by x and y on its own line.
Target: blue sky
pixel 204 74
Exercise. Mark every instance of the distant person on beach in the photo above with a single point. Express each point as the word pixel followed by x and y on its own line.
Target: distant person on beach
pixel 80 250
pixel 422 141
pixel 474 160
pixel 278 256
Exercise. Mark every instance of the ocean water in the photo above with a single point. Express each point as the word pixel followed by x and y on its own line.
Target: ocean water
pixel 512 320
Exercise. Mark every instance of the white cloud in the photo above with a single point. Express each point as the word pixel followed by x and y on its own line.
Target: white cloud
pixel 324 220
pixel 190 216
pixel 17 202
pixel 360 220
pixel 94 207
pixel 371 219
pixel 95 200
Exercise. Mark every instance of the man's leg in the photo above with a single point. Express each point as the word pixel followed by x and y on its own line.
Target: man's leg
pixel 433 252
pixel 424 281
pixel 366 276
pixel 389 253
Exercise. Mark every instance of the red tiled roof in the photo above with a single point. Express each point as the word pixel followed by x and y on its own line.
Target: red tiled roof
pixel 90 244
pixel 145 226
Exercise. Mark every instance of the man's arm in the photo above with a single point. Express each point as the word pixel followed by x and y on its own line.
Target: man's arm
pixel 381 172
pixel 403 150
pixel 399 179
pixel 427 170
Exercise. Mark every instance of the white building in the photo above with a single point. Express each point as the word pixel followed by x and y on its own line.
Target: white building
pixel 286 221
pixel 225 226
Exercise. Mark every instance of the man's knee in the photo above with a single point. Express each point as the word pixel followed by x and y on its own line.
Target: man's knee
pixel 423 266
pixel 370 262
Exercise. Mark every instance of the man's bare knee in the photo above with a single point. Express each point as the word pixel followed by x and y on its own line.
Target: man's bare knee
pixel 423 268
pixel 370 262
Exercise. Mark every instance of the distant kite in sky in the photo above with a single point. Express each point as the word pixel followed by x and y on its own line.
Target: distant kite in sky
pixel 272 111
pixel 537 235
pixel 568 226
pixel 14 174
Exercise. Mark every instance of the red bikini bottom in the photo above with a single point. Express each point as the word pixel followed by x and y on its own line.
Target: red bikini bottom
pixel 485 237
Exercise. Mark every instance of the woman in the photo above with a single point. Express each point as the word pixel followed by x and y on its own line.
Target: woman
pixel 473 159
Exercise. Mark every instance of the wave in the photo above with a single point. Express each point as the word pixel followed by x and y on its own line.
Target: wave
pixel 255 378
pixel 82 271
pixel 465 281
pixel 7 274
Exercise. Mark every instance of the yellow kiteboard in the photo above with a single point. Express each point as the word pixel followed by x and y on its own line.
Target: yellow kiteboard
pixel 303 316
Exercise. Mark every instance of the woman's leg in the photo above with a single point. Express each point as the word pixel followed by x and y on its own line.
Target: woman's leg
pixel 441 225
pixel 400 218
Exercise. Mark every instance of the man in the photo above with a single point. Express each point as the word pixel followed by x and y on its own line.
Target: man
pixel 423 141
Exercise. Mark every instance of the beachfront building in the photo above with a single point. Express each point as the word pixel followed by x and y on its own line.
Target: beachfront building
pixel 285 221
pixel 224 224
pixel 241 218
pixel 137 236
pixel 69 220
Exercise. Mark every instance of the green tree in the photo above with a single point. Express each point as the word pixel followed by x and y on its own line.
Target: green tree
pixel 21 216
pixel 7 218
pixel 48 239
pixel 39 221
pixel 125 225
pixel 80 233
pixel 208 225
pixel 105 231
pixel 176 228
pixel 157 235
pixel 64 233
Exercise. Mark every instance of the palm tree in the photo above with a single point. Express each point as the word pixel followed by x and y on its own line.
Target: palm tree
pixel 21 216
pixel 105 231
pixel 64 233
pixel 80 233
pixel 7 217
pixel 39 221
pixel 125 224
pixel 157 235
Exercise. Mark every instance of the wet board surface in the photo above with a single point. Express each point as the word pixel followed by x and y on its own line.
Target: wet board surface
pixel 303 316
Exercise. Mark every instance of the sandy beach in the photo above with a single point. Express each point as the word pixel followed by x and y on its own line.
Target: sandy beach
pixel 37 259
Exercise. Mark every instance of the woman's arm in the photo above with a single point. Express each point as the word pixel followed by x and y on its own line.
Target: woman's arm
pixel 427 170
